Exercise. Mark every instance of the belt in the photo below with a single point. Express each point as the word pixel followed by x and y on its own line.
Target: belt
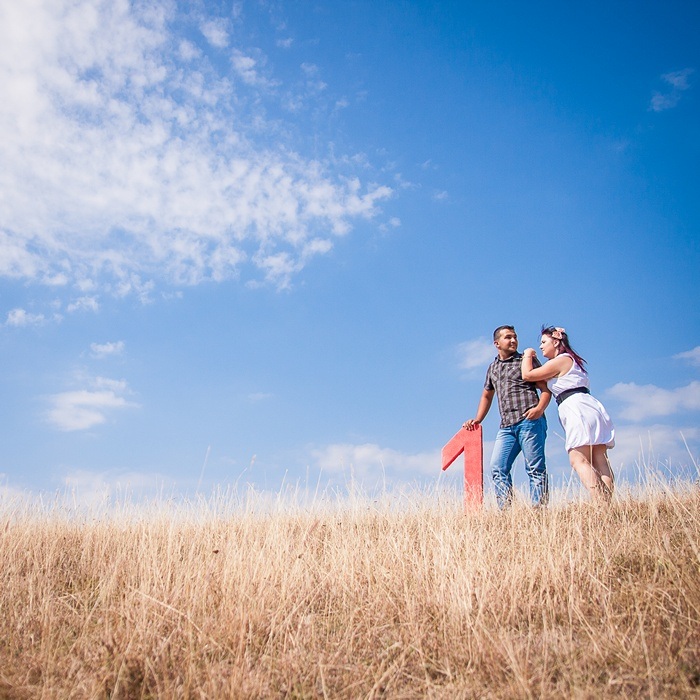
pixel 569 392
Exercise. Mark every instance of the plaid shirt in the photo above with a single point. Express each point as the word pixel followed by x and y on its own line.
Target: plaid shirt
pixel 515 396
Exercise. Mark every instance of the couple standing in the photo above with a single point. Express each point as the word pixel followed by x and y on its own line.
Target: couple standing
pixel 516 378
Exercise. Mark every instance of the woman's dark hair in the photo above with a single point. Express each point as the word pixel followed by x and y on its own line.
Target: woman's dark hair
pixel 560 335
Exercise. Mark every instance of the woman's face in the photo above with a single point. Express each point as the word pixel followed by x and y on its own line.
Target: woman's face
pixel 549 346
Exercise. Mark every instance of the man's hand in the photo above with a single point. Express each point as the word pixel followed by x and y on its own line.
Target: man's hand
pixel 533 413
pixel 471 424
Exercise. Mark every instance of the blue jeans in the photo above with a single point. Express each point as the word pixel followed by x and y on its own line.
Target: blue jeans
pixel 527 437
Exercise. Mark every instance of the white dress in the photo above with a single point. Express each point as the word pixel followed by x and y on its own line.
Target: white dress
pixel 583 417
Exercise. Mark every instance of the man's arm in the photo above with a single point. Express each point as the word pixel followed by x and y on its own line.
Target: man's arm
pixel 484 405
pixel 545 397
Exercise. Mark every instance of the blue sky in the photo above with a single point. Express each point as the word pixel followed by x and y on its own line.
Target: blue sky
pixel 267 242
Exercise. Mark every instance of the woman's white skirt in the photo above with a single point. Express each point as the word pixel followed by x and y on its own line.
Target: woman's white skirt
pixel 586 422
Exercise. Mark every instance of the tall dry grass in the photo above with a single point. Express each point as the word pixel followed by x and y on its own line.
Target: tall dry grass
pixel 367 601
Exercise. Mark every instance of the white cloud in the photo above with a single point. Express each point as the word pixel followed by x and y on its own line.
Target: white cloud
pixel 640 453
pixel 115 385
pixel 250 70
pixel 20 317
pixel 16 261
pixel 258 396
pixel 678 79
pixel 92 489
pixel 83 304
pixel 473 354
pixel 188 51
pixel 127 158
pixel 102 350
pixel 394 222
pixel 83 409
pixel 660 102
pixel 311 71
pixel 215 32
pixel 639 450
pixel 647 401
pixel 13 497
pixel 678 82
pixel 692 356
pixel 369 460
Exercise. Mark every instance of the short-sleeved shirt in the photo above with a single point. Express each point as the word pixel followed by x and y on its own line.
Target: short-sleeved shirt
pixel 515 396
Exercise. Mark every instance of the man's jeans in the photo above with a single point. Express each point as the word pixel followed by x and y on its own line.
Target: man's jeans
pixel 527 437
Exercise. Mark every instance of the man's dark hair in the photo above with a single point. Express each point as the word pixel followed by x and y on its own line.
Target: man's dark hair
pixel 502 328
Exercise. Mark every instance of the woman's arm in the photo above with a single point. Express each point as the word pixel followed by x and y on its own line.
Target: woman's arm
pixel 554 368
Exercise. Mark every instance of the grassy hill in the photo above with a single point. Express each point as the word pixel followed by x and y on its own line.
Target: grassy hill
pixel 372 600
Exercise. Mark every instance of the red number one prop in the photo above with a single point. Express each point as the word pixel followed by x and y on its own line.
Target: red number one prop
pixel 470 442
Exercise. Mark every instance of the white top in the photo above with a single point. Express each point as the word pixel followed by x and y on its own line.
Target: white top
pixel 573 379
pixel 583 417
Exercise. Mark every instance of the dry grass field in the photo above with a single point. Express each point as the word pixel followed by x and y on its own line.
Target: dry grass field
pixel 403 600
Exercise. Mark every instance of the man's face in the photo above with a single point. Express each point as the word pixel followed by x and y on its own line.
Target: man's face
pixel 506 343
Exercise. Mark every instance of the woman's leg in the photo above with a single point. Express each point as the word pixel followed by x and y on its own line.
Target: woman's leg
pixel 601 464
pixel 581 459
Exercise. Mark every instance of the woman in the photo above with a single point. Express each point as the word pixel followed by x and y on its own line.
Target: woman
pixel 589 430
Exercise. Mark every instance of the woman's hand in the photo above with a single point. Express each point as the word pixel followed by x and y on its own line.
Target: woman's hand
pixel 529 352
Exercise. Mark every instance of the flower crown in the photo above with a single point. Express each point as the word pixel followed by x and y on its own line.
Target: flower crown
pixel 558 333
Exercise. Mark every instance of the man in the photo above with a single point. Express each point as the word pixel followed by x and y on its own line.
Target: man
pixel 523 424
